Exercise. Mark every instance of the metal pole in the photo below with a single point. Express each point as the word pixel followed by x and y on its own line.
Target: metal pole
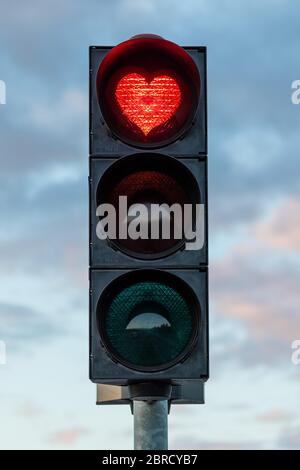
pixel 150 425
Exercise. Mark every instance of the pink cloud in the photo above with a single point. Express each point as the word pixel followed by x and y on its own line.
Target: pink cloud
pixel 260 292
pixel 30 410
pixel 275 416
pixel 262 320
pixel 282 228
pixel 68 436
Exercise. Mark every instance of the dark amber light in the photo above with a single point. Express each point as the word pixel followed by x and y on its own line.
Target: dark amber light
pixel 148 104
pixel 147 178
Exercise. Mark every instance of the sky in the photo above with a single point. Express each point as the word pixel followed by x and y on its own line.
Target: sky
pixel 253 395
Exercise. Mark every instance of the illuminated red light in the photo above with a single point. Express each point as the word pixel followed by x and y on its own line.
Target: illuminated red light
pixel 148 91
pixel 148 104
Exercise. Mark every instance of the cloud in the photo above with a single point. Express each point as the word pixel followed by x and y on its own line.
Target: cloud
pixel 68 436
pixel 281 230
pixel 30 410
pixel 61 116
pixel 42 28
pixel 248 172
pixel 48 223
pixel 274 416
pixel 142 6
pixel 191 443
pixel 251 150
pixel 256 291
pixel 263 320
pixel 289 438
pixel 20 325
pixel 24 151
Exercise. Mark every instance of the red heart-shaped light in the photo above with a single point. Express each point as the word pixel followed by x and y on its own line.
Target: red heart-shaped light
pixel 148 105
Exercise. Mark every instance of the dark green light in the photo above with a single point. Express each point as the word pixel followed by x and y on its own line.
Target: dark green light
pixel 148 324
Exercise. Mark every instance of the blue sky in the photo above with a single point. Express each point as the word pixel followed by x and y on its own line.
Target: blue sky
pixel 252 398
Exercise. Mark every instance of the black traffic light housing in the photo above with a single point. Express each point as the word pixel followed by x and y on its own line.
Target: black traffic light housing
pixel 109 262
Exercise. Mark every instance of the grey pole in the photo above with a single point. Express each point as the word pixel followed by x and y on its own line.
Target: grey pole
pixel 150 425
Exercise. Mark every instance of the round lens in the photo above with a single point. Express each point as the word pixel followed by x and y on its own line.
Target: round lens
pixel 148 91
pixel 161 185
pixel 148 324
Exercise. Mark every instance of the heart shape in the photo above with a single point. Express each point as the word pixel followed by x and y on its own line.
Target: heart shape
pixel 148 104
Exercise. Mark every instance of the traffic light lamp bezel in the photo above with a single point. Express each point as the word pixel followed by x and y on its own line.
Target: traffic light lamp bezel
pixel 148 65
pixel 103 141
pixel 132 293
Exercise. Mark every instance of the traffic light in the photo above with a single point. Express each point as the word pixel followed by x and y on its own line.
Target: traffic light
pixel 148 191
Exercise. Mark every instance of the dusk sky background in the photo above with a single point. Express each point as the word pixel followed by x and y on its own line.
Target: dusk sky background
pixel 253 395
